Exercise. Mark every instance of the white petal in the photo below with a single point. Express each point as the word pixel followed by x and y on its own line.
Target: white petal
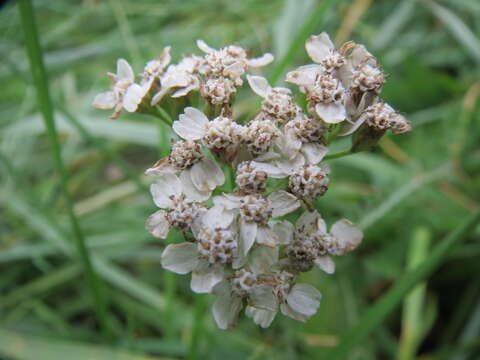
pixel 263 60
pixel 288 311
pixel 105 100
pixel 360 55
pixel 282 203
pixel 308 221
pixel 157 224
pixel 217 217
pixel 271 170
pixel 332 113
pixel 349 235
pixel 226 308
pixel 205 278
pixel 191 124
pixel 202 45
pixel 190 190
pixel 228 201
pixel 259 85
pixel 260 317
pixel 124 70
pixel 304 299
pixel 287 166
pixel 262 297
pixel 234 70
pixel 161 167
pixel 326 264
pixel 248 232
pixel 133 97
pixel 262 258
pixel 284 230
pixel 167 185
pixel 266 236
pixel 159 96
pixel 304 75
pixel 180 258
pixel 207 175
pixel 314 153
pixel 319 46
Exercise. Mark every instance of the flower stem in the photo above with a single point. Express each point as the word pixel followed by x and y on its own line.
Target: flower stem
pixel 46 107
pixel 338 155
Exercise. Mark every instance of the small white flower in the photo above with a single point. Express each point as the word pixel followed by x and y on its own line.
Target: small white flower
pixel 303 135
pixel 249 179
pixel 180 78
pixel 124 94
pixel 380 117
pixel 230 61
pixel 312 243
pixel 260 135
pixel 218 135
pixel 322 51
pixel 278 103
pixel 170 193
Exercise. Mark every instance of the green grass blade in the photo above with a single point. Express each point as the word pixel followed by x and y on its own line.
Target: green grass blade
pixel 41 83
pixel 29 347
pixel 414 304
pixel 373 317
pixel 310 26
pixel 457 27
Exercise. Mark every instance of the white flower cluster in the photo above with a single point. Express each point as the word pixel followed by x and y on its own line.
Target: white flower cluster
pixel 238 243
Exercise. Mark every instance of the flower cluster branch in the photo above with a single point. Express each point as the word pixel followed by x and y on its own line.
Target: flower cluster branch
pixel 242 244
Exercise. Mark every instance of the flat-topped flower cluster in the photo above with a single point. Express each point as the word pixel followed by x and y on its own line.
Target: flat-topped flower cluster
pixel 238 243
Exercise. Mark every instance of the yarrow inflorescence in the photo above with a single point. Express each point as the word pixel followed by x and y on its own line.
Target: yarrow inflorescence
pixel 229 182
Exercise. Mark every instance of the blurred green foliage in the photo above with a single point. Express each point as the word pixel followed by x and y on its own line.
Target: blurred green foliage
pixel 426 182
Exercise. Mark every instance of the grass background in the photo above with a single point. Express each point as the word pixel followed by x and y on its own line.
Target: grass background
pixel 409 194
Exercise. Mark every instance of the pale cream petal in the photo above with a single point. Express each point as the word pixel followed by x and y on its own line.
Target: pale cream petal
pixel 287 166
pixel 124 70
pixel 202 45
pixel 133 97
pixel 262 297
pixel 217 217
pixel 159 96
pixel 284 230
pixel 259 85
pixel 304 299
pixel 271 170
pixel 288 311
pixel 326 264
pixel 234 70
pixel 207 175
pixel 283 203
pixel 226 307
pixel 314 152
pixel 205 278
pixel 228 201
pixel 263 60
pixel 191 124
pixel 266 236
pixel 161 167
pixel 167 185
pixel 157 224
pixel 308 221
pixel 105 100
pixel 304 75
pixel 190 190
pixel 263 318
pixel 248 232
pixel 180 258
pixel 319 46
pixel 331 113
pixel 262 258
pixel 348 234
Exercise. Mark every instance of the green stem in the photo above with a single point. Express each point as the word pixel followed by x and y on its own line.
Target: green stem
pixel 338 155
pixel 374 316
pixel 44 102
